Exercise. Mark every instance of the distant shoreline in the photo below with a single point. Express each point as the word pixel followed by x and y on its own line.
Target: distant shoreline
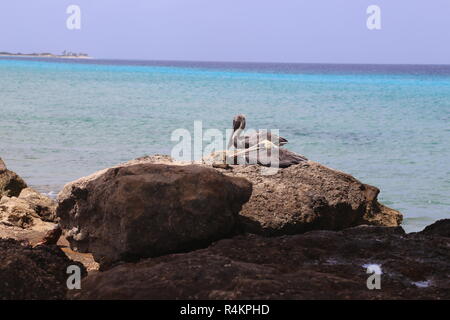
pixel 45 55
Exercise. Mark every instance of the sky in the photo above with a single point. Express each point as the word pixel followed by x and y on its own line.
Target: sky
pixel 322 31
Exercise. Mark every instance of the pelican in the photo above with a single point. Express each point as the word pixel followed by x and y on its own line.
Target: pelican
pixel 259 147
pixel 245 142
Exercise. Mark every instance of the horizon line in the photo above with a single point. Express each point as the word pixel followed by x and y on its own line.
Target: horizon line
pixel 250 62
pixel 276 62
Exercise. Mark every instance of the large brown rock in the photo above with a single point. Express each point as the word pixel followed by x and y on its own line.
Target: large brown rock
pixel 10 183
pixel 33 273
pixel 309 196
pixel 143 209
pixel 314 265
pixel 303 197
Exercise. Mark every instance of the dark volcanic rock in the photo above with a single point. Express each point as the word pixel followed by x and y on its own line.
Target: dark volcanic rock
pixel 148 209
pixel 32 273
pixel 10 183
pixel 439 228
pixel 314 265
pixel 309 196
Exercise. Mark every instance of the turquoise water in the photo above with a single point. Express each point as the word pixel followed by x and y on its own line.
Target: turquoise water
pixel 387 126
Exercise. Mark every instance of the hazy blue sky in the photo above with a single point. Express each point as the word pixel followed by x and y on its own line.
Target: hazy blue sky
pixel 413 31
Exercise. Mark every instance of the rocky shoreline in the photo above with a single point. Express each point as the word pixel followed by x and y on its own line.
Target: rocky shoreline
pixel 154 228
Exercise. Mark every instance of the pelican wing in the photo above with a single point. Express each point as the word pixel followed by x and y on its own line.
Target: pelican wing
pixel 262 152
pixel 259 136
pixel 289 158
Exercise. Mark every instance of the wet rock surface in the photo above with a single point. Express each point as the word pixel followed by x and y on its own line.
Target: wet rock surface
pixel 314 265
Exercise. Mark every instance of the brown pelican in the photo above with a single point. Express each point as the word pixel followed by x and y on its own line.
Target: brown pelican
pixel 245 142
pixel 259 148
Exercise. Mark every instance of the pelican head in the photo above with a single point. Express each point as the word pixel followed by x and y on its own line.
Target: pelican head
pixel 239 122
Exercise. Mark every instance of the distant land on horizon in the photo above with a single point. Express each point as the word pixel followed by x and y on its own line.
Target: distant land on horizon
pixel 64 54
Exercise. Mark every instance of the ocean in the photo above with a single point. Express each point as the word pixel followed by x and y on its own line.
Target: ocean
pixel 388 125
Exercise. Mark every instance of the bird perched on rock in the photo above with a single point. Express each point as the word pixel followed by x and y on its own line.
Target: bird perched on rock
pixel 260 147
pixel 240 141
